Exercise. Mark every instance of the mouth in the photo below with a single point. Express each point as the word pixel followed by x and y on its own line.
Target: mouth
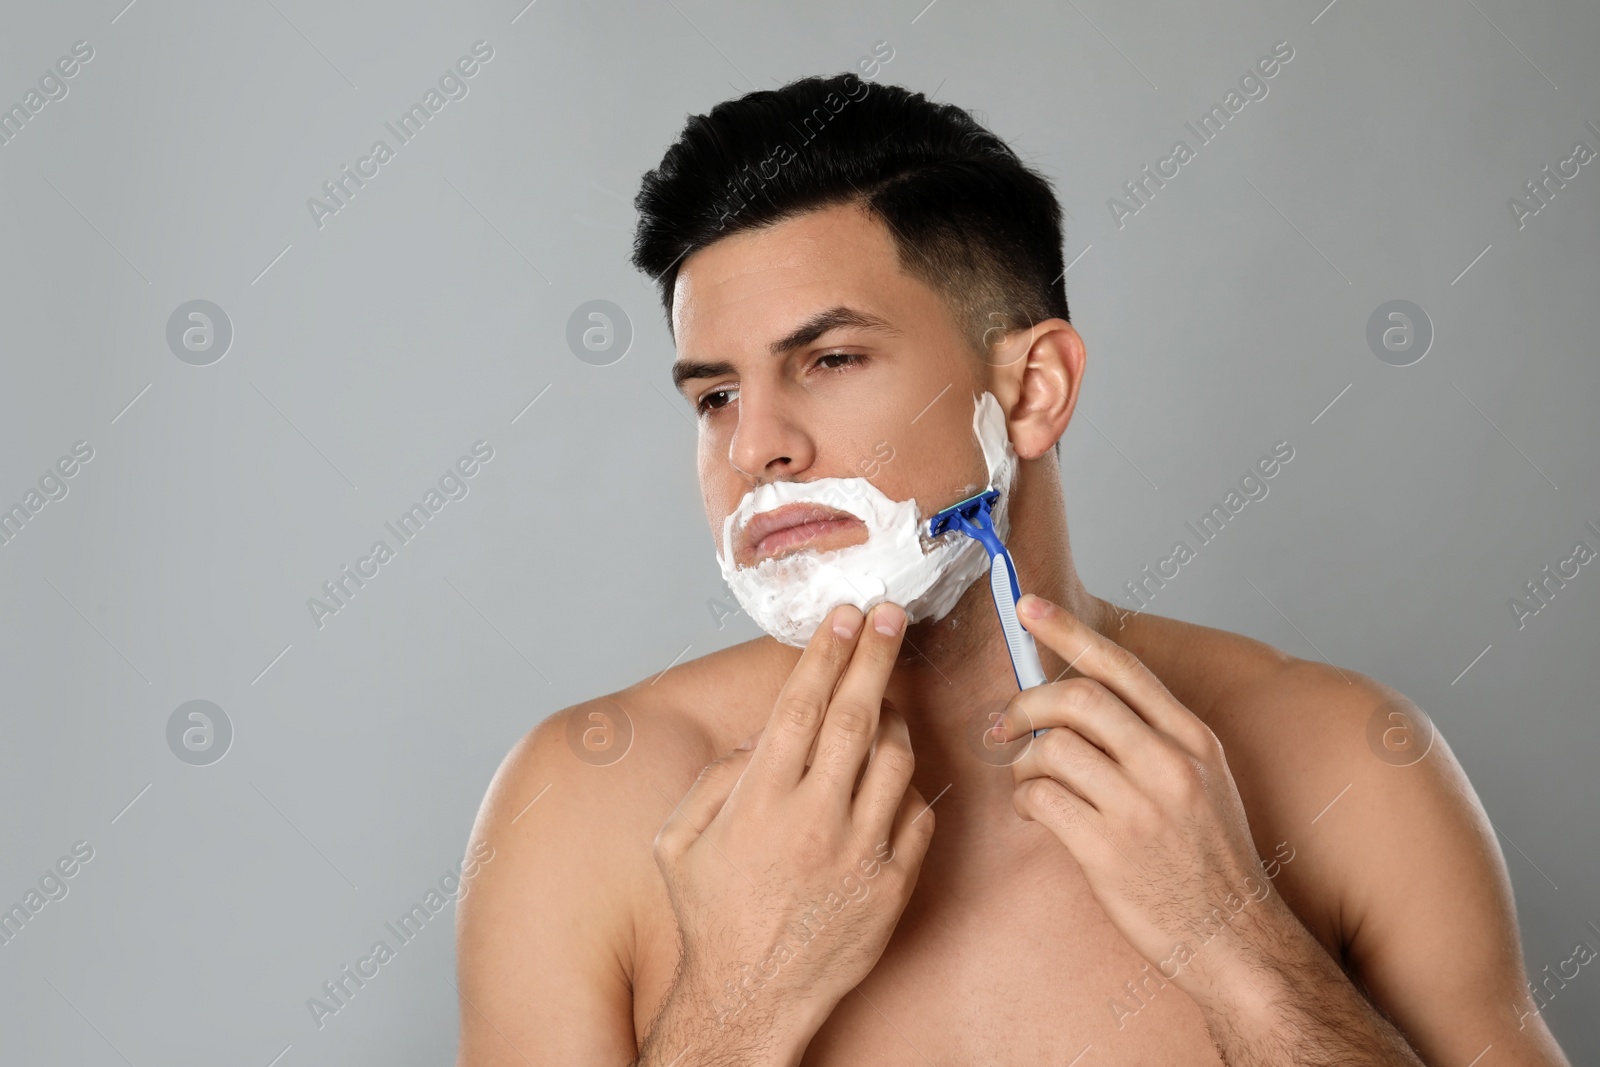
pixel 793 527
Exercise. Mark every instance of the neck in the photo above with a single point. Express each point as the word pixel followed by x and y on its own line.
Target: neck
pixel 954 675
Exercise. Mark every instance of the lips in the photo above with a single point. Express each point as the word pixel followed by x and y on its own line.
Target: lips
pixel 789 528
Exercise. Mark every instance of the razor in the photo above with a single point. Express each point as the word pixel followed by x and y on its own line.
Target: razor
pixel 973 517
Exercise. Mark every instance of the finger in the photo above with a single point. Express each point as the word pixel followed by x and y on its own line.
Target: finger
pixel 803 701
pixel 1108 663
pixel 1069 758
pixel 887 776
pixel 1082 704
pixel 910 835
pixel 706 797
pixel 851 720
pixel 1065 814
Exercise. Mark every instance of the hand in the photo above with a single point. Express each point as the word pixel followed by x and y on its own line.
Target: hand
pixel 786 880
pixel 1137 788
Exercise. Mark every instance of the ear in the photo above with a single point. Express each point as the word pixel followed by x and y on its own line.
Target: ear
pixel 1035 374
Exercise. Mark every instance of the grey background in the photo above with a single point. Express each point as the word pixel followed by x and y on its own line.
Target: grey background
pixel 369 354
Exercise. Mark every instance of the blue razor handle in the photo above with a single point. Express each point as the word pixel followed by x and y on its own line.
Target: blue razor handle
pixel 973 517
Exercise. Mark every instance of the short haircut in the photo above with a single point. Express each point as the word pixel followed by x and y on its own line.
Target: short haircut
pixel 968 217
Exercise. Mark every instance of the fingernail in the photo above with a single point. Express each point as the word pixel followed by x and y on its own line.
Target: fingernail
pixel 887 619
pixel 846 621
pixel 750 742
pixel 1033 607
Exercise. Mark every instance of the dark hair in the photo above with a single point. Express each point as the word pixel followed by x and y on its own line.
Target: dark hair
pixel 968 217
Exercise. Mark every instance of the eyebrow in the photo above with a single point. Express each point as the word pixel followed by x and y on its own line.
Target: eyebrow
pixel 823 322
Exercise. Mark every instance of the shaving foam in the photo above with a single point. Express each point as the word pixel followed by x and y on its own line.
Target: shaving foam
pixel 789 597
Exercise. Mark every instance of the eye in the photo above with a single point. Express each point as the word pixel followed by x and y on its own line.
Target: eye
pixel 849 359
pixel 704 405
pixel 842 361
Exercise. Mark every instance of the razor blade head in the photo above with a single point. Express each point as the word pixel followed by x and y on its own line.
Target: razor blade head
pixel 969 510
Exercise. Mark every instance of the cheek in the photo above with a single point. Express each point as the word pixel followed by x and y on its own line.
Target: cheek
pixel 937 467
pixel 720 487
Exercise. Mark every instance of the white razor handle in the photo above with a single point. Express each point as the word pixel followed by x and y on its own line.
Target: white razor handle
pixel 1024 656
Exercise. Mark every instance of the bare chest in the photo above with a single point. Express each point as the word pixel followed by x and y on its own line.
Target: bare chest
pixel 1023 969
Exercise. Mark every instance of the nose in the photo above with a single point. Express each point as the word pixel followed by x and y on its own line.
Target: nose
pixel 766 444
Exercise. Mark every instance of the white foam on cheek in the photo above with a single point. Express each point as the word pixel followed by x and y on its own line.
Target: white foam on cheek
pixel 791 596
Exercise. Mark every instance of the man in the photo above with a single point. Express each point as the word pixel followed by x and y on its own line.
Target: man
pixel 1201 860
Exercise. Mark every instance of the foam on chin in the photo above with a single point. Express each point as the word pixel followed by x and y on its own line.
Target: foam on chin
pixel 790 597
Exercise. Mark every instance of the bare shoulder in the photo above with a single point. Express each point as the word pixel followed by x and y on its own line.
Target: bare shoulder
pixel 593 782
pixel 617 758
pixel 546 932
pixel 1381 845
pixel 1335 768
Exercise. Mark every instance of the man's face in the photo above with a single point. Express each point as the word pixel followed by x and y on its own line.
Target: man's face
pixel 814 356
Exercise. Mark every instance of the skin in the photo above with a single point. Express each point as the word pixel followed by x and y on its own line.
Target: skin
pixel 1201 861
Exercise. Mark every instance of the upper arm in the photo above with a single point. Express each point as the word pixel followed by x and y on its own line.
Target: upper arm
pixel 1422 897
pixel 541 928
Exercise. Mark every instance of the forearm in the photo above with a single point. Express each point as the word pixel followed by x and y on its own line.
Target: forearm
pixel 695 1028
pixel 1275 996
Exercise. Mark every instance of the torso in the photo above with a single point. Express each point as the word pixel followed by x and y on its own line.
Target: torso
pixel 1003 955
